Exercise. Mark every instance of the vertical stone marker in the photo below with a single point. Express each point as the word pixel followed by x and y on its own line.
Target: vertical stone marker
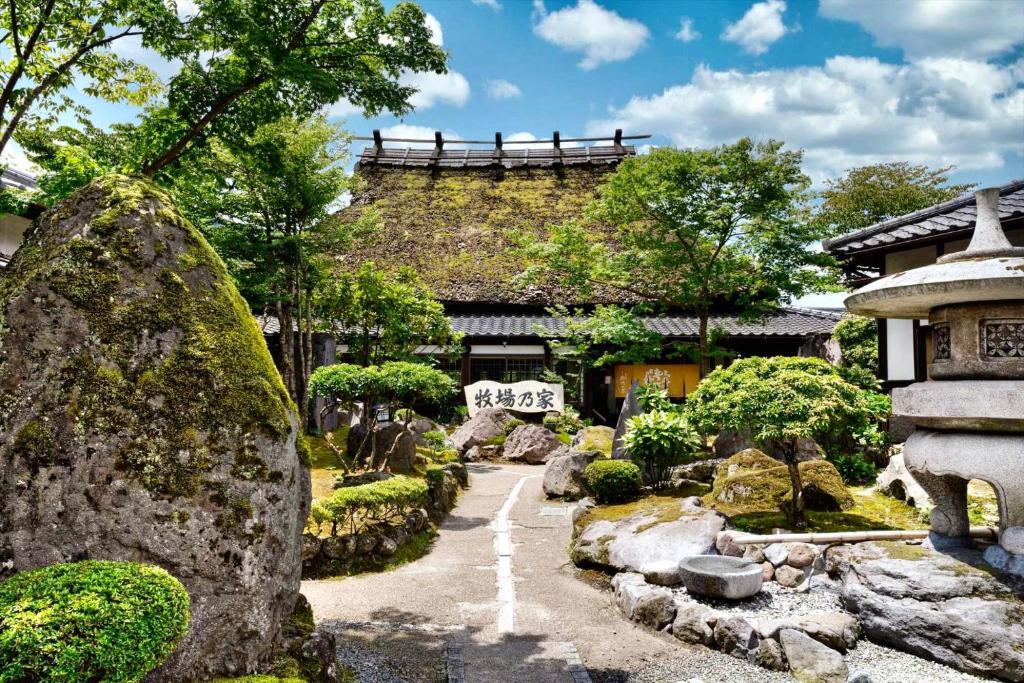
pixel 141 418
pixel 630 407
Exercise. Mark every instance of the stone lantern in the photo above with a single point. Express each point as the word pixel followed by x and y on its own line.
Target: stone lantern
pixel 969 417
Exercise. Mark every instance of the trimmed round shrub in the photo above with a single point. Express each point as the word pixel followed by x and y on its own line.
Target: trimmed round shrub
pixel 613 481
pixel 512 424
pixel 354 507
pixel 89 621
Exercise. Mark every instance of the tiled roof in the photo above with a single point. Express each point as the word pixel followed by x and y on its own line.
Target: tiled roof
pixel 411 157
pixel 956 216
pixel 788 322
pixel 18 180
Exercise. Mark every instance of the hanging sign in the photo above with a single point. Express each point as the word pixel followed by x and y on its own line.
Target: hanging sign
pixel 677 379
pixel 525 397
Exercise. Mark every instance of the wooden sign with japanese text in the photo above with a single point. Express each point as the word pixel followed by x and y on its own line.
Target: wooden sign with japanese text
pixel 677 379
pixel 525 397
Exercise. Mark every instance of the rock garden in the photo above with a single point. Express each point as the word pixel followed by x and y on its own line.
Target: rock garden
pixel 684 533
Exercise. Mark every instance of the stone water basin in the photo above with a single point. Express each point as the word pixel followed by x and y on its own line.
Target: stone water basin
pixel 720 576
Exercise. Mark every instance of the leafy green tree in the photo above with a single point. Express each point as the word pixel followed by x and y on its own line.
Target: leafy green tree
pixel 598 339
pixel 693 229
pixel 384 316
pixel 782 400
pixel 269 217
pixel 400 384
pixel 244 64
pixel 870 194
pixel 857 337
pixel 48 45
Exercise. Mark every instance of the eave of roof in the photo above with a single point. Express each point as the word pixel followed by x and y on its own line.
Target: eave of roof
pixel 411 157
pixel 787 322
pixel 952 217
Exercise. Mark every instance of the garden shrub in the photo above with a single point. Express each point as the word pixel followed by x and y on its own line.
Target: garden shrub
pixel 613 481
pixel 781 399
pixel 652 397
pixel 853 468
pixel 659 440
pixel 435 440
pixel 354 507
pixel 89 621
pixel 567 421
pixel 512 424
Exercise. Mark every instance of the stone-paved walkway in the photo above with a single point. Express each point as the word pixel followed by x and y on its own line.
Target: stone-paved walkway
pixel 494 601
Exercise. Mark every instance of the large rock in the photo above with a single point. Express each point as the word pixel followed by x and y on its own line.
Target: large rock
pixel 752 481
pixel 630 407
pixel 701 471
pixel 647 543
pixel 838 630
pixel 728 444
pixel 735 636
pixel 141 418
pixel 395 446
pixel 594 440
pixel 896 481
pixel 563 477
pixel 486 425
pixel 533 444
pixel 810 661
pixel 639 601
pixel 934 605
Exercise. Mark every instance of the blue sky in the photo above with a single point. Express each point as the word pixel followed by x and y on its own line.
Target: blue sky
pixel 851 82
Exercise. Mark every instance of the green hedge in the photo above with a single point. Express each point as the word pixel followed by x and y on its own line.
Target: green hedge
pixel 613 481
pixel 351 508
pixel 89 621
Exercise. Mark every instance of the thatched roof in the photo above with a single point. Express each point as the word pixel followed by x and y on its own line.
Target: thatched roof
pixel 452 224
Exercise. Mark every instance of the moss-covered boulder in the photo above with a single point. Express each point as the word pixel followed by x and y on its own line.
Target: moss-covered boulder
pixel 594 440
pixel 142 419
pixel 752 481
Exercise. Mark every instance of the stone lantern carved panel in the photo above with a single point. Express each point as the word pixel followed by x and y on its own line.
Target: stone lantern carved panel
pixel 940 343
pixel 1002 339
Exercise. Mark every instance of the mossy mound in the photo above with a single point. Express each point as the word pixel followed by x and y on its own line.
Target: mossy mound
pixel 142 418
pixel 752 481
pixel 594 440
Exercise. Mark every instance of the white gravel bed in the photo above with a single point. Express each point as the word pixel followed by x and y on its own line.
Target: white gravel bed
pixel 892 666
pixel 701 665
pixel 775 602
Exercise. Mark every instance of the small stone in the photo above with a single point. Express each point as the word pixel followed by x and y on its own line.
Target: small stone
pixel 1012 540
pixel 754 554
pixel 810 661
pixel 789 577
pixel 656 609
pixel 662 573
pixel 860 677
pixel 735 636
pixel 767 571
pixel 725 546
pixel 802 555
pixel 777 553
pixel 1005 562
pixel 691 624
pixel 769 655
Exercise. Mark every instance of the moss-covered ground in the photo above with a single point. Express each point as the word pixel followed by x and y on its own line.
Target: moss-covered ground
pixel 324 463
pixel 663 507
pixel 872 511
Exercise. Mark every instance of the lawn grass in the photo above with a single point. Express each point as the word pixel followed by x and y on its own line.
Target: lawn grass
pixel 324 463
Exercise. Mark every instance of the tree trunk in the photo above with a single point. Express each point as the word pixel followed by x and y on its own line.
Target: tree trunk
pixel 702 340
pixel 284 318
pixel 795 511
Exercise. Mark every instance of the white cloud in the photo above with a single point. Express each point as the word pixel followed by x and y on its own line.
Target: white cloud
pixel 686 32
pixel 450 88
pixel 499 89
pixel 921 28
pixel 759 27
pixel 436 34
pixel 850 112
pixel 493 4
pixel 409 131
pixel 600 34
pixel 342 109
